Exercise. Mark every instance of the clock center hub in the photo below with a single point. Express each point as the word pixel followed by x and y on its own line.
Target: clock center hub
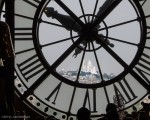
pixel 89 42
pixel 89 33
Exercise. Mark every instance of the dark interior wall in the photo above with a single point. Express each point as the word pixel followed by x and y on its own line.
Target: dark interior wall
pixel 7 72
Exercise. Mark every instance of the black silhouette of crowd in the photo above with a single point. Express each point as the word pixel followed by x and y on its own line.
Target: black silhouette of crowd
pixel 112 113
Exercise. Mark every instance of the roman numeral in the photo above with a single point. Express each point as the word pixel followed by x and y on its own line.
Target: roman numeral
pixel 23 16
pixel 32 2
pixel 54 93
pixel 123 89
pixel 23 34
pixel 24 51
pixel 87 100
pixel 142 2
pixel 31 67
pixel 143 67
pixel 72 99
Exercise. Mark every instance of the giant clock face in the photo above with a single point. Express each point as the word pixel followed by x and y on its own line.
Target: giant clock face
pixel 78 53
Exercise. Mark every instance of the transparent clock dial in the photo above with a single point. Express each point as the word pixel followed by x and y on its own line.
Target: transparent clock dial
pixel 89 62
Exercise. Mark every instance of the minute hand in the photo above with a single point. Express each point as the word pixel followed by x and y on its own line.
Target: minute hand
pixel 105 10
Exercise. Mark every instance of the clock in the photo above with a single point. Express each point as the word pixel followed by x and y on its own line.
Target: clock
pixel 81 53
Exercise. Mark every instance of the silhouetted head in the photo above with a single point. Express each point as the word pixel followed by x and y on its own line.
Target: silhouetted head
pixel 83 114
pixel 146 107
pixel 112 115
pixel 111 107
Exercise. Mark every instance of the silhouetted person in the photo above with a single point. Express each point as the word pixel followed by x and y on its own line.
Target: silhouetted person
pixel 83 114
pixel 111 112
pixel 144 112
pixel 135 115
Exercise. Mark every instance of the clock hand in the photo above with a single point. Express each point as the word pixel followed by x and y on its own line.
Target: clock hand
pixel 72 15
pixel 65 20
pixel 105 10
pixel 106 41
pixel 102 13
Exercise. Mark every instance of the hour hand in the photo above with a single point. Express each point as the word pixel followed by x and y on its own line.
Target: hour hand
pixel 65 20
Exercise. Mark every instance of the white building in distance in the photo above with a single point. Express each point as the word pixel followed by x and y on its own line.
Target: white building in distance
pixel 88 67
